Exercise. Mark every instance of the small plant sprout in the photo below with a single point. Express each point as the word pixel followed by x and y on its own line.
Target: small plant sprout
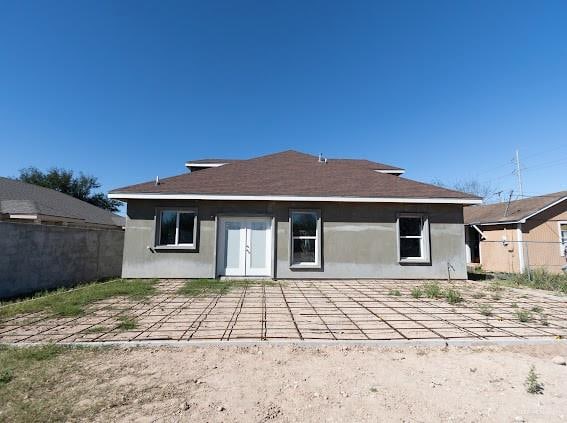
pixel 433 290
pixel 514 305
pixel 453 296
pixel 543 320
pixel 537 309
pixel 417 292
pixel 395 292
pixel 532 383
pixel 496 297
pixel 524 316
pixel 478 295
pixel 485 310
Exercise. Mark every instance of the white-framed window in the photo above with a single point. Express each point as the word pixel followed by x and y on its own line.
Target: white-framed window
pixel 305 238
pixel 176 228
pixel 413 238
pixel 563 237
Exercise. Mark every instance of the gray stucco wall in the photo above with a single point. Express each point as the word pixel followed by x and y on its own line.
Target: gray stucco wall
pixel 38 257
pixel 358 240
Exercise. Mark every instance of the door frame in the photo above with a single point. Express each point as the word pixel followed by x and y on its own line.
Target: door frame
pixel 220 217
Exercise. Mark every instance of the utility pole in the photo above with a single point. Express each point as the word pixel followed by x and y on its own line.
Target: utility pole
pixel 521 241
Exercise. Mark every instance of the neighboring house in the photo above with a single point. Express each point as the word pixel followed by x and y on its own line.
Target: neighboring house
pixel 49 240
pixel 506 237
pixel 293 215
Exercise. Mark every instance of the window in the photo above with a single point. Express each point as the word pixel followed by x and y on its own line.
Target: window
pixel 177 228
pixel 563 237
pixel 413 238
pixel 305 238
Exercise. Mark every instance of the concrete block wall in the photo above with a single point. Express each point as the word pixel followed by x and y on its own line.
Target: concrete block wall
pixel 36 257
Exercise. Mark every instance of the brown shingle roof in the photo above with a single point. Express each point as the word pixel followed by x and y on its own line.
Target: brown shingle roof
pixel 518 209
pixel 291 173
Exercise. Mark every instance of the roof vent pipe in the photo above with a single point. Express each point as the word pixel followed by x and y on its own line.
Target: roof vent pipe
pixel 157 180
pixel 320 157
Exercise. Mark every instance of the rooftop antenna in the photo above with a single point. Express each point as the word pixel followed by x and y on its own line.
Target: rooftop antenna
pixel 508 203
pixel 519 173
pixel 157 180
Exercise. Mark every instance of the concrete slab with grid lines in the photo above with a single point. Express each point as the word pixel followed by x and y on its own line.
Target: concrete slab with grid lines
pixel 344 310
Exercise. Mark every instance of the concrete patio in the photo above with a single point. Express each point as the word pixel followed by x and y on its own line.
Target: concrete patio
pixel 305 310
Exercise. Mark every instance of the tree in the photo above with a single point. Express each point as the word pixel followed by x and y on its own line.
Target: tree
pixel 64 181
pixel 470 186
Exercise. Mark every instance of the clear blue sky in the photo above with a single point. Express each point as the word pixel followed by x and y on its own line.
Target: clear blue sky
pixel 130 90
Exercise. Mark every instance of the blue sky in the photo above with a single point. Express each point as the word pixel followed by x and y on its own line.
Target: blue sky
pixel 130 90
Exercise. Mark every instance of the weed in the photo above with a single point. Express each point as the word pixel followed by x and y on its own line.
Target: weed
pixel 496 297
pixel 6 375
pixel 543 320
pixel 524 316
pixel 538 279
pixel 373 389
pixel 432 290
pixel 532 383
pixel 71 302
pixel 127 323
pixel 485 310
pixel 514 305
pixel 96 329
pixel 395 292
pixel 198 287
pixel 537 309
pixel 416 292
pixel 478 295
pixel 453 296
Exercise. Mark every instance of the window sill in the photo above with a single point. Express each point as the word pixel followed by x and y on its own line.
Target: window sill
pixel 305 266
pixel 421 262
pixel 175 248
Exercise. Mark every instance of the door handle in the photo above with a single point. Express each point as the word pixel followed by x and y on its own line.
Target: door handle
pixel 248 249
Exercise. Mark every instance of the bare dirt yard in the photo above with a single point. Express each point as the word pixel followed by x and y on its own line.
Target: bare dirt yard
pixel 287 383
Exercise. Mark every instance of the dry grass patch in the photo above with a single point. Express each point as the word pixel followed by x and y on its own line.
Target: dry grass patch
pixel 205 287
pixel 71 302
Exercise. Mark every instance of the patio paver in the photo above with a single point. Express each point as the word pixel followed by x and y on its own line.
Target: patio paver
pixel 304 310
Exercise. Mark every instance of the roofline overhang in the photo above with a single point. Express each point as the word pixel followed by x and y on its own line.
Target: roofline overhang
pixel 391 171
pixel 189 165
pixel 338 199
pixel 522 220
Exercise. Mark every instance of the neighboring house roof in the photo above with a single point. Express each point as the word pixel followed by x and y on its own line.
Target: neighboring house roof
pixel 517 211
pixel 18 198
pixel 291 175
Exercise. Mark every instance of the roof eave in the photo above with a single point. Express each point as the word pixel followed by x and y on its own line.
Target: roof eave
pixel 341 199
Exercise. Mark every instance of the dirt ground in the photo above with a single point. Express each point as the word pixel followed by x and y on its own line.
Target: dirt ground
pixel 307 383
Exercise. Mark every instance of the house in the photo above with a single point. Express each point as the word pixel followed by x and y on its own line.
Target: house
pixel 49 240
pixel 509 236
pixel 293 215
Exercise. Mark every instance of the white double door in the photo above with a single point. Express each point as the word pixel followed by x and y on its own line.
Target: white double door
pixel 245 246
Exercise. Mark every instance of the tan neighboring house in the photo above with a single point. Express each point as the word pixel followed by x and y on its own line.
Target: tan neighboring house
pixel 507 237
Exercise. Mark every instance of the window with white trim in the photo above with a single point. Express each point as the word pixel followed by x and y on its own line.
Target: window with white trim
pixel 413 238
pixel 563 237
pixel 177 228
pixel 305 242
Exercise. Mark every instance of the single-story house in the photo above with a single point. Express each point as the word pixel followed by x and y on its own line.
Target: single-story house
pixel 509 236
pixel 50 240
pixel 293 215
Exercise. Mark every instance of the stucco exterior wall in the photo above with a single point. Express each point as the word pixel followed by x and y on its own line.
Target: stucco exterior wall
pixel 496 255
pixel 358 240
pixel 542 234
pixel 38 257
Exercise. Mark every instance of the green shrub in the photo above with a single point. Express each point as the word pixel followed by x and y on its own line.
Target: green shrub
pixel 395 292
